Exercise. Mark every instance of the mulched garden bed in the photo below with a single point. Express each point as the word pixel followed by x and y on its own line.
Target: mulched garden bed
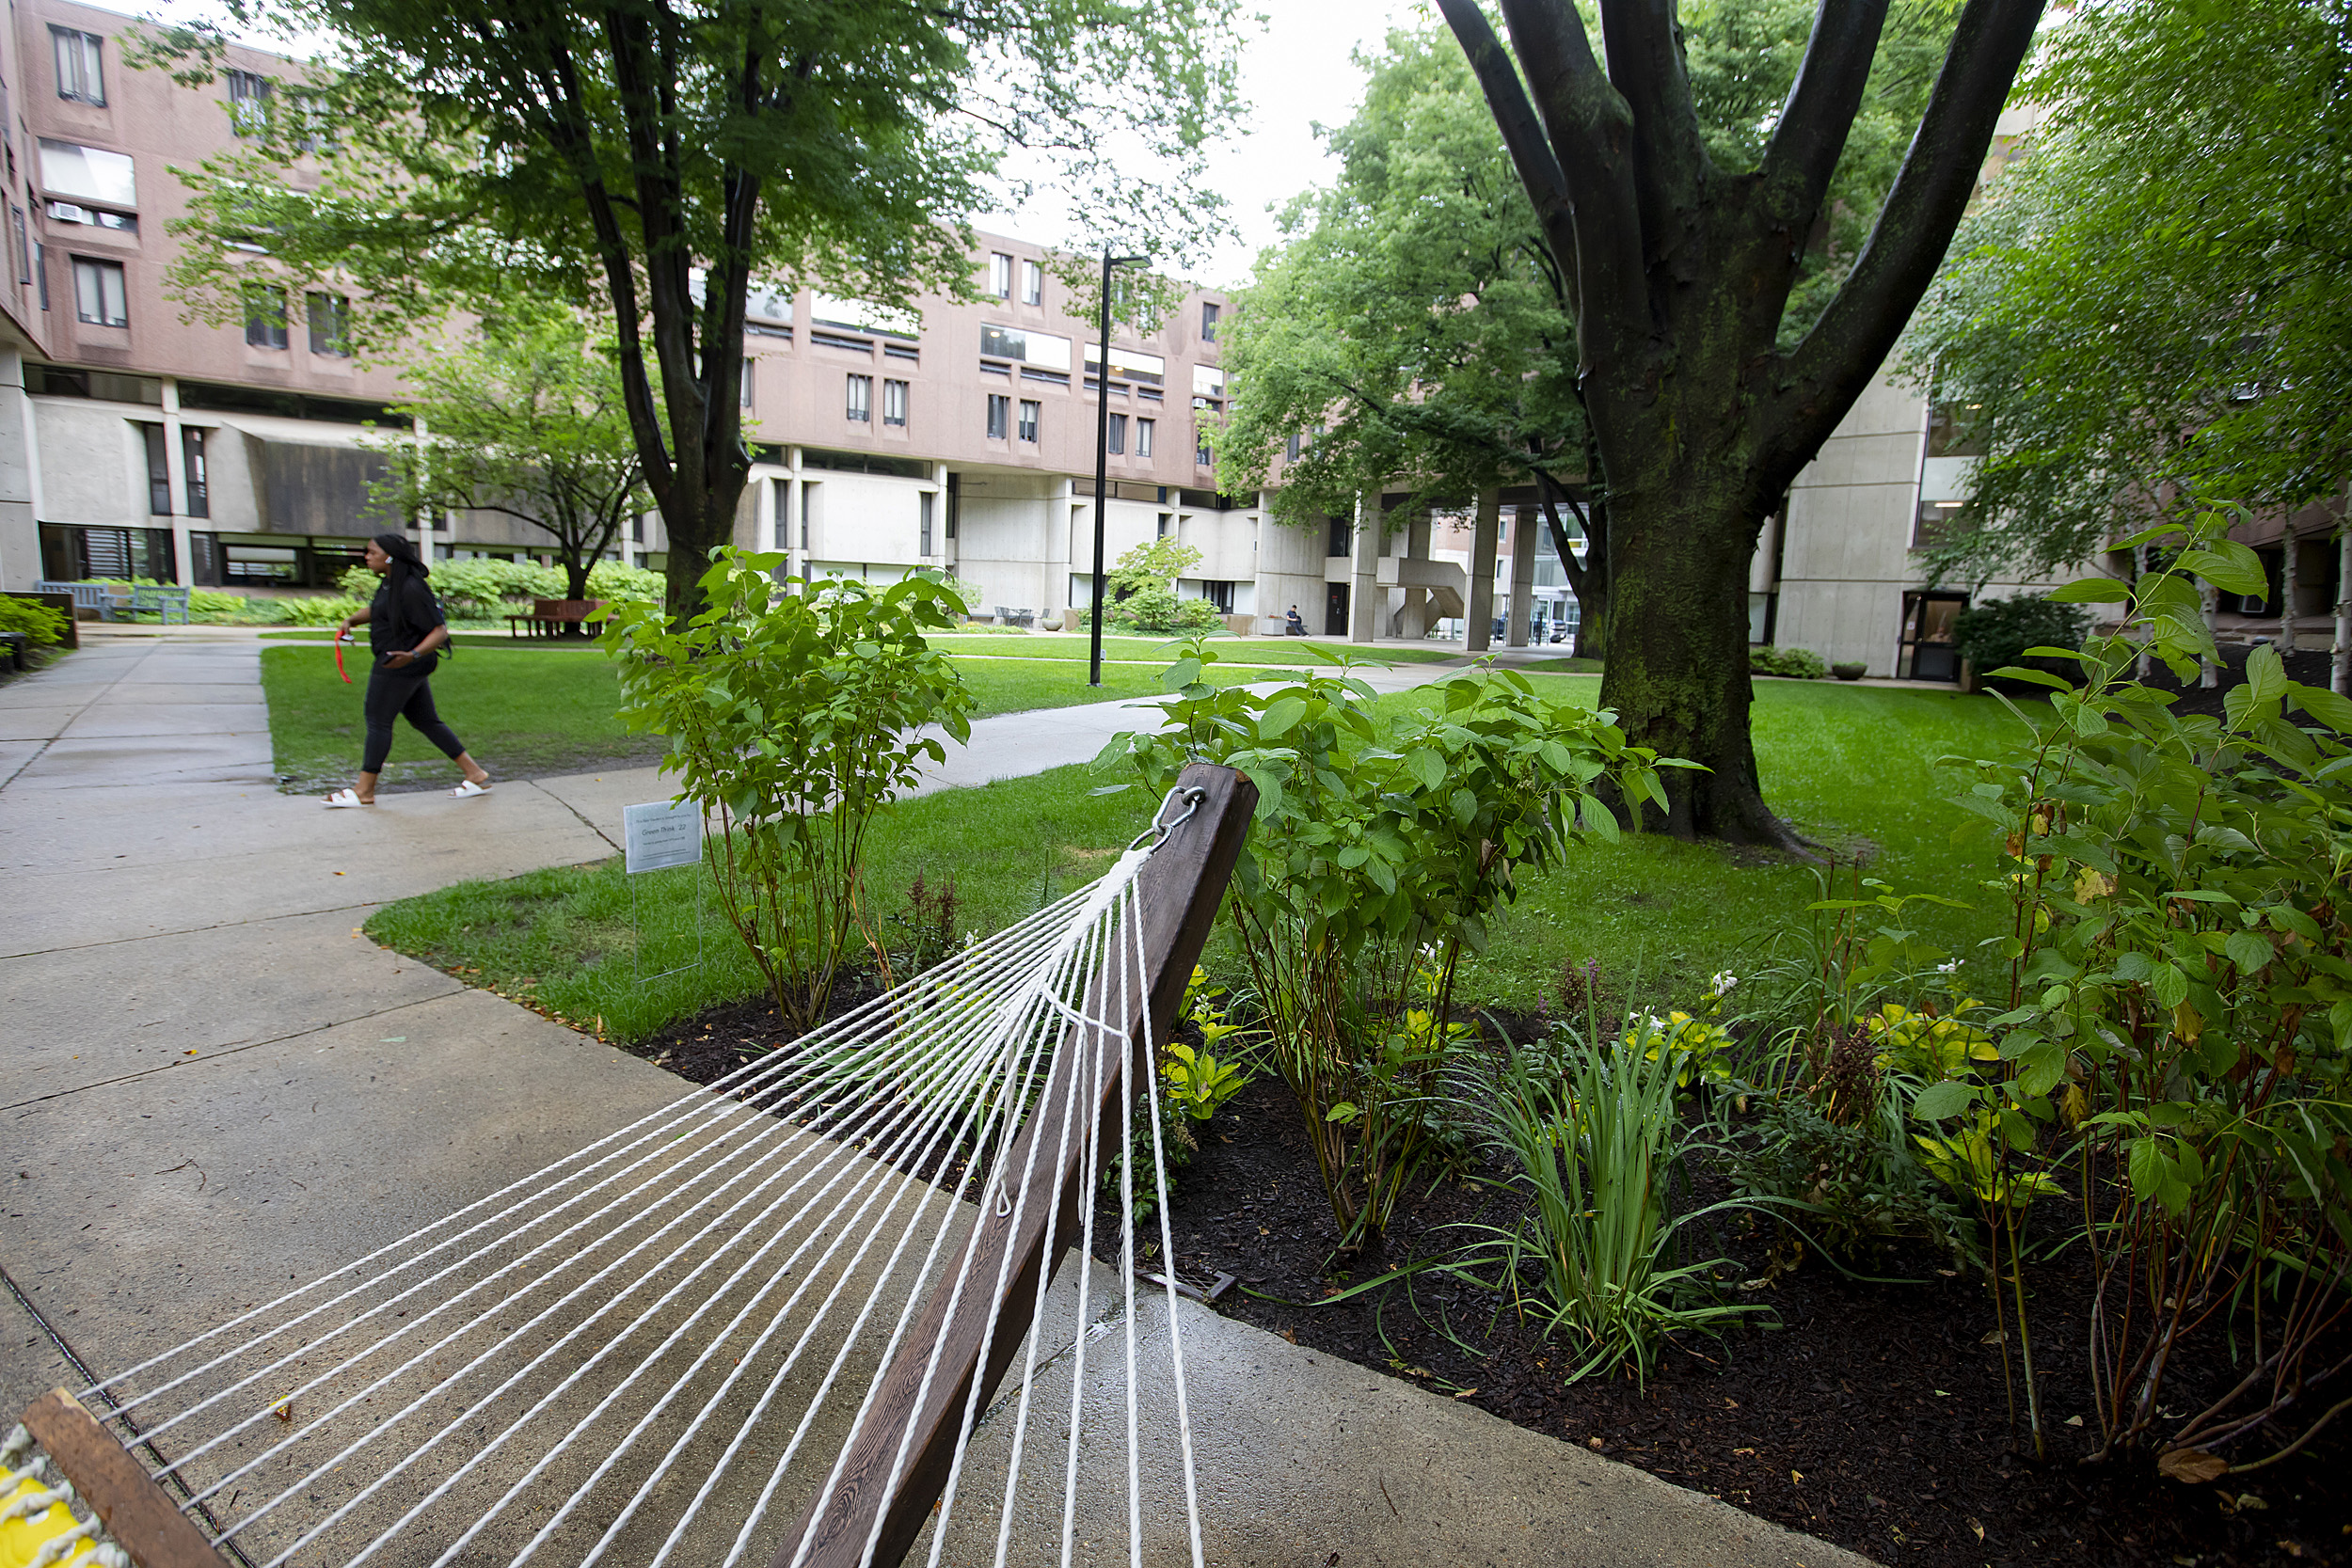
pixel 1870 1415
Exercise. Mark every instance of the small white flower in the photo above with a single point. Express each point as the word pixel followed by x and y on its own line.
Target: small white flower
pixel 1952 968
pixel 1721 984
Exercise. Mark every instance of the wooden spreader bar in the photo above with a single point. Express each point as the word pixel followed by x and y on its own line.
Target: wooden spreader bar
pixel 138 1514
pixel 1177 894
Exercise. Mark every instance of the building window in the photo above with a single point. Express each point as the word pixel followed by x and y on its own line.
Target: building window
pixel 1143 437
pixel 24 246
pixel 1000 276
pixel 1032 283
pixel 1208 321
pixel 1116 440
pixel 80 75
pixel 1028 421
pixel 97 217
pixel 192 455
pixel 1340 539
pixel 40 273
pixel 248 102
pixel 895 403
pixel 861 398
pixel 999 413
pixel 330 325
pixel 88 173
pixel 98 293
pixel 927 501
pixel 1220 594
pixel 1167 520
pixel 158 472
pixel 746 392
pixel 264 316
pixel 1201 453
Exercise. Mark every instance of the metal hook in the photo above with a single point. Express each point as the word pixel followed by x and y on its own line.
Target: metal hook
pixel 1192 794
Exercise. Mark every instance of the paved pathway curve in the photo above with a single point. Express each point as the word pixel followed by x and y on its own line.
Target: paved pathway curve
pixel 211 1084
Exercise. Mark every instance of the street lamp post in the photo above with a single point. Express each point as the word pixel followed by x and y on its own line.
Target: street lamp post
pixel 1103 452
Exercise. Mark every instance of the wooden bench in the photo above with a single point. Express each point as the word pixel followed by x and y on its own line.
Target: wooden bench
pixel 556 618
pixel 102 599
pixel 159 601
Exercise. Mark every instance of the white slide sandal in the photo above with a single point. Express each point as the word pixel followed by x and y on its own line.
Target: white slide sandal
pixel 468 790
pixel 346 798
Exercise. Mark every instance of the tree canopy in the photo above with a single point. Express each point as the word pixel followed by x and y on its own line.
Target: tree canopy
pixel 2154 305
pixel 666 154
pixel 1412 328
pixel 523 417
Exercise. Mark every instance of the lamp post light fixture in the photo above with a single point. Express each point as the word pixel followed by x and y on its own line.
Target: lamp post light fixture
pixel 1103 452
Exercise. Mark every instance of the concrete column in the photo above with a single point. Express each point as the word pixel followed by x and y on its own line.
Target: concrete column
pixel 1069 545
pixel 176 471
pixel 19 532
pixel 2287 585
pixel 795 506
pixel 1481 610
pixel 1523 528
pixel 764 516
pixel 420 526
pixel 1363 593
pixel 1412 614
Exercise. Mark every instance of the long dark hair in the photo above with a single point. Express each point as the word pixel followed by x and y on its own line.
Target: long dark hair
pixel 407 565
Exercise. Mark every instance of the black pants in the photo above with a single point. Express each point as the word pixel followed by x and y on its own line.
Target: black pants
pixel 395 693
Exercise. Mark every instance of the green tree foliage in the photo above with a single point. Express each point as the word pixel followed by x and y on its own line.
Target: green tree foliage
pixel 1143 588
pixel 1667 276
pixel 2151 306
pixel 663 156
pixel 1379 850
pixel 793 719
pixel 523 419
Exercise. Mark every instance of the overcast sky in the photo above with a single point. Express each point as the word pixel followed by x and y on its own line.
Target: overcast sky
pixel 1294 73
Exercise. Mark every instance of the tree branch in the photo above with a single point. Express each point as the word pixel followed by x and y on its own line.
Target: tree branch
pixel 1591 129
pixel 1847 346
pixel 1522 133
pixel 1819 112
pixel 1670 169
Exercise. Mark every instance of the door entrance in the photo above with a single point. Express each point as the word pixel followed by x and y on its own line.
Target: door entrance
pixel 1926 652
pixel 1335 610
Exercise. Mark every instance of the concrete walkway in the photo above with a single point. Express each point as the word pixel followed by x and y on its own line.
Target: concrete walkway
pixel 213 1086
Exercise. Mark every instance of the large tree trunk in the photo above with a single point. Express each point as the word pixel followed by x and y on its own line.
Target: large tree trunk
pixel 698 521
pixel 1676 674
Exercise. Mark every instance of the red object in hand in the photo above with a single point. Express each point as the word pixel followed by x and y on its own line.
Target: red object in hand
pixel 338 656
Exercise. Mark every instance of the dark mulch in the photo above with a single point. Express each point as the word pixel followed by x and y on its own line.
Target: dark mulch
pixel 1871 1415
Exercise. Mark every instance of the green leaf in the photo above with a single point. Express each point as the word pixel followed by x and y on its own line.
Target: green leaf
pixel 1281 716
pixel 1947 1098
pixel 1425 766
pixel 2247 951
pixel 2090 591
pixel 2266 674
pixel 2329 707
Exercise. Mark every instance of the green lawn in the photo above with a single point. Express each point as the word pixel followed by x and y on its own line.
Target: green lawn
pixel 526 710
pixel 1852 766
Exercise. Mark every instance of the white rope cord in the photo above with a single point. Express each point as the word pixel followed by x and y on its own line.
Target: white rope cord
pixel 841 1150
pixel 756 1125
pixel 597 1361
pixel 710 1101
pixel 1024 1028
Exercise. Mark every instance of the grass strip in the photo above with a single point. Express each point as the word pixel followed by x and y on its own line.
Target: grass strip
pixel 1852 766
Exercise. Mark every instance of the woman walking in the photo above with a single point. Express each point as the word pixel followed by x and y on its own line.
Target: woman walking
pixel 406 630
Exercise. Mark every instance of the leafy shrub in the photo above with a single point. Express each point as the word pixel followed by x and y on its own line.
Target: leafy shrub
pixel 1796 663
pixel 1999 632
pixel 2179 1020
pixel 43 625
pixel 792 720
pixel 317 611
pixel 1378 851
pixel 613 580
pixel 1157 609
pixel 968 593
pixel 1594 1133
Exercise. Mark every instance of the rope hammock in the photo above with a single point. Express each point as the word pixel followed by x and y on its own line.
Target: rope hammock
pixel 763 1324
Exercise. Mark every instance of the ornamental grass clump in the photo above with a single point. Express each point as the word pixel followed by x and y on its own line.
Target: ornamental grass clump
pixel 1380 848
pixel 1594 1131
pixel 794 718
